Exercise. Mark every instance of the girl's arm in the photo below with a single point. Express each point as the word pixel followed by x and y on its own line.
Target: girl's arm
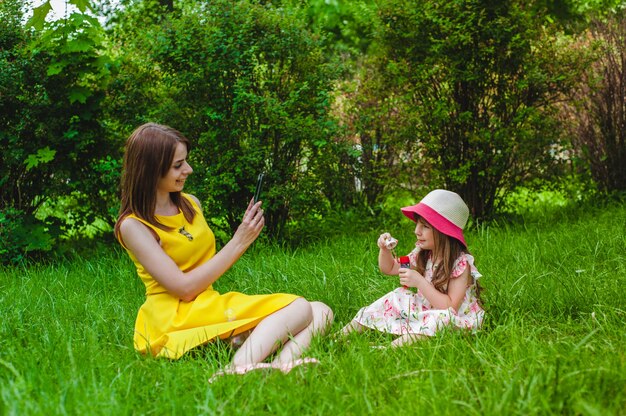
pixel 186 286
pixel 386 262
pixel 456 288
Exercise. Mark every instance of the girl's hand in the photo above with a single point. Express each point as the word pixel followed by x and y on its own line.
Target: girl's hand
pixel 251 225
pixel 382 240
pixel 386 262
pixel 409 277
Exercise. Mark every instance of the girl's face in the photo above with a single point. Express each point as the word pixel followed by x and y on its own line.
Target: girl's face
pixel 174 180
pixel 425 235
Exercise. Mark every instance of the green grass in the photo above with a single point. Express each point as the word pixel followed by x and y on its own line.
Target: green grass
pixel 553 341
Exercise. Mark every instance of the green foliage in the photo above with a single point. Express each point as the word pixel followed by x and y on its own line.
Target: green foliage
pixel 375 122
pixel 52 84
pixel 576 15
pixel 346 105
pixel 482 79
pixel 379 125
pixel 248 84
pixel 595 115
pixel 40 13
pixel 345 25
pixel 21 235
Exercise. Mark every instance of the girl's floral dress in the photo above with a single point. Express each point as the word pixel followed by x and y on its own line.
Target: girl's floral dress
pixel 404 312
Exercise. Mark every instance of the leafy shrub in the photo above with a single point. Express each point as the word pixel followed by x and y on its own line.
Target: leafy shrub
pixel 52 83
pixel 21 235
pixel 595 115
pixel 249 85
pixel 479 82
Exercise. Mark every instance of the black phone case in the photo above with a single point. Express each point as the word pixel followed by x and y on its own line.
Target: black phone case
pixel 259 184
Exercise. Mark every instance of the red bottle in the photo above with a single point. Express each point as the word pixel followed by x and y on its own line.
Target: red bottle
pixel 406 264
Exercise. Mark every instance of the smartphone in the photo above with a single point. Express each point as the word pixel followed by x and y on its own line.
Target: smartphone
pixel 259 183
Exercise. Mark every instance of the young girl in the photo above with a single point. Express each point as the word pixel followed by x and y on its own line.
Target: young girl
pixel 441 269
pixel 174 250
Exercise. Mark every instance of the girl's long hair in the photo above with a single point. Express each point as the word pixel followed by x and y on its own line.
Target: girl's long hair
pixel 448 249
pixel 148 157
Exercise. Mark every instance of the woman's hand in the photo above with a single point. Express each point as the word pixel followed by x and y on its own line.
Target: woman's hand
pixel 409 277
pixel 251 225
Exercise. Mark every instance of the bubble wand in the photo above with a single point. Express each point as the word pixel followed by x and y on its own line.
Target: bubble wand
pixel 405 262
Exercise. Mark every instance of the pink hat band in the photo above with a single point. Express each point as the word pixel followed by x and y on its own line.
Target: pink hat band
pixel 444 210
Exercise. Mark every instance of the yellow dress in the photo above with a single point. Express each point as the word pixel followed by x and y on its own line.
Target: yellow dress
pixel 167 326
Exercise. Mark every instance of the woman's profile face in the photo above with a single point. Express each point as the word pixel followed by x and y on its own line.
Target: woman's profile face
pixel 174 179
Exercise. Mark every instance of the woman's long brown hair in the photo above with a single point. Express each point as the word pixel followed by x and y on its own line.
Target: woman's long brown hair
pixel 148 157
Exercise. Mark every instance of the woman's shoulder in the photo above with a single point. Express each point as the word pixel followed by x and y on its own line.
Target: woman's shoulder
pixel 130 222
pixel 194 200
pixel 133 225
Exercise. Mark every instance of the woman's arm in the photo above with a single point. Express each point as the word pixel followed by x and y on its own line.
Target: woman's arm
pixel 186 286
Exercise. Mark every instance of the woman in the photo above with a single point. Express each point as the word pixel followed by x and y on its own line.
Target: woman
pixel 168 239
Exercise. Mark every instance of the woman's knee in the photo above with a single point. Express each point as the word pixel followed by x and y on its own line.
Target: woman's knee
pixel 302 308
pixel 322 313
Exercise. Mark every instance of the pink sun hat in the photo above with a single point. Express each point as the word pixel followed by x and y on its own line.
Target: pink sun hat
pixel 444 210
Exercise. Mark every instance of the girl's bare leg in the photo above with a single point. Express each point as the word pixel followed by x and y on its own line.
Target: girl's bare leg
pixel 322 318
pixel 406 339
pixel 353 326
pixel 274 330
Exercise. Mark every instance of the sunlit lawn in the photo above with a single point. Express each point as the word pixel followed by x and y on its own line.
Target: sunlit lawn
pixel 553 342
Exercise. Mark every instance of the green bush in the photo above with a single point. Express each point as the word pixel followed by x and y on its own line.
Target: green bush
pixel 21 235
pixel 479 80
pixel 52 84
pixel 249 85
pixel 595 113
